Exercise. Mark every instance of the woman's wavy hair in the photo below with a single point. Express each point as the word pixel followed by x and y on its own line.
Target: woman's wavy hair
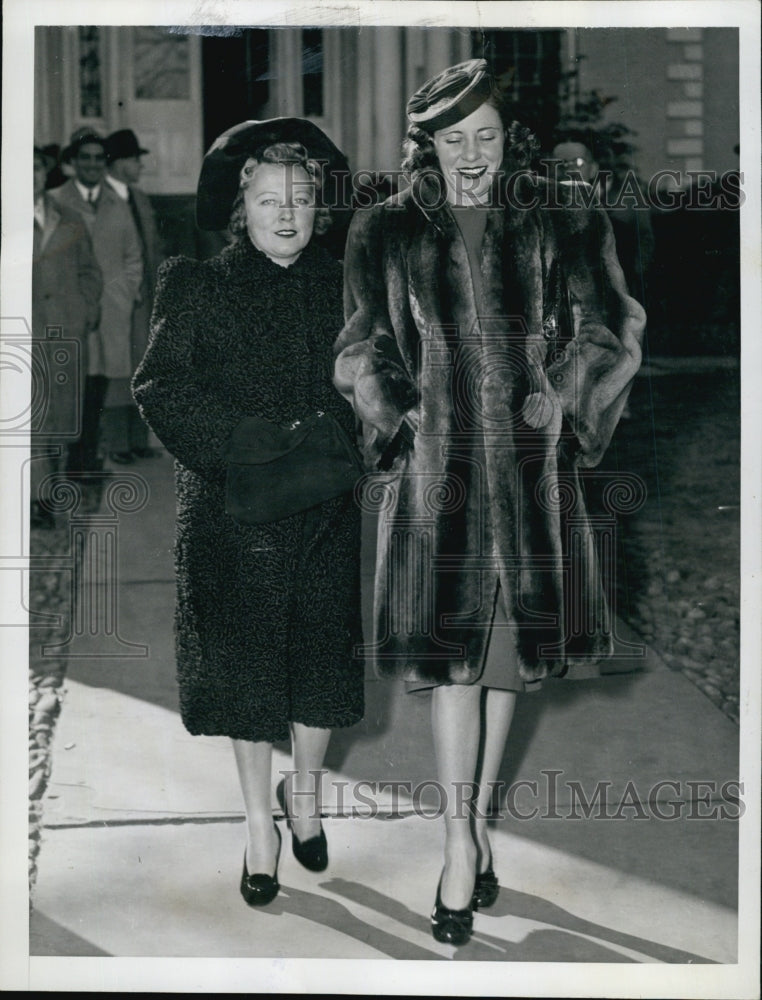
pixel 283 154
pixel 521 145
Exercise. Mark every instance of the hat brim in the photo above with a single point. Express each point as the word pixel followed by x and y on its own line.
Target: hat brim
pixel 48 159
pixel 125 154
pixel 219 179
pixel 71 151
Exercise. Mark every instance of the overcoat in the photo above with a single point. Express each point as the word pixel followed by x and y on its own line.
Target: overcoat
pixel 153 255
pixel 118 252
pixel 231 337
pixel 491 410
pixel 66 292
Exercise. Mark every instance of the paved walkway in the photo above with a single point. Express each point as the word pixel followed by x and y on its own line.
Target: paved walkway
pixel 142 835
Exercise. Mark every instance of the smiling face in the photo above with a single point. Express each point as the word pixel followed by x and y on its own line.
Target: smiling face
pixel 470 153
pixel 280 210
pixel 575 161
pixel 90 164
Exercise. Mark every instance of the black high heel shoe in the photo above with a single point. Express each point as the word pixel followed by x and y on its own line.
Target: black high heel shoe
pixel 312 853
pixel 451 926
pixel 486 889
pixel 259 890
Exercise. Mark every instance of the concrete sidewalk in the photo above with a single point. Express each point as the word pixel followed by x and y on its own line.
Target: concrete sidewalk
pixel 143 837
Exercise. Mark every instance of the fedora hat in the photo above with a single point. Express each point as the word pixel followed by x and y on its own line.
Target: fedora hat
pixel 219 180
pixel 123 144
pixel 47 157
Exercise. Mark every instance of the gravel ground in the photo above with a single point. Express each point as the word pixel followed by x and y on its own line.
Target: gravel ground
pixel 677 575
pixel 50 594
pixel 678 578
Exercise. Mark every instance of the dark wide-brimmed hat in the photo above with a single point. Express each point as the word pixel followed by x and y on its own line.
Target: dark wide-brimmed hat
pixel 220 176
pixel 81 137
pixel 47 157
pixel 451 95
pixel 123 145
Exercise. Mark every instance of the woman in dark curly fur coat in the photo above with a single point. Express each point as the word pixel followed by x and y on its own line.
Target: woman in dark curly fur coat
pixel 481 401
pixel 267 615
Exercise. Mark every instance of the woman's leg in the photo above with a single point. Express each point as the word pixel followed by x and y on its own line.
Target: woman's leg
pixel 497 708
pixel 455 720
pixel 254 761
pixel 304 785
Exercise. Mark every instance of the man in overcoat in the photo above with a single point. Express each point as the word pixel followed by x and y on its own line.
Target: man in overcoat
pixel 633 231
pixel 125 430
pixel 117 250
pixel 66 293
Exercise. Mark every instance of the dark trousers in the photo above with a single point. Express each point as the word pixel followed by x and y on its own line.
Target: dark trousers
pixel 123 428
pixel 83 454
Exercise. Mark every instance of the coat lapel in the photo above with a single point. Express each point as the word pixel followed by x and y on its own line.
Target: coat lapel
pixel 52 218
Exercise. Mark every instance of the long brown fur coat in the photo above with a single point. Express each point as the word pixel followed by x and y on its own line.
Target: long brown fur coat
pixel 482 416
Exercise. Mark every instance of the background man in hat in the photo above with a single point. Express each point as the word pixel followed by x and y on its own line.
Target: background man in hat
pixel 66 294
pixel 632 227
pixel 124 428
pixel 117 250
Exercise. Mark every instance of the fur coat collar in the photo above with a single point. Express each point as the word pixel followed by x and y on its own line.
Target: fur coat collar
pixel 484 410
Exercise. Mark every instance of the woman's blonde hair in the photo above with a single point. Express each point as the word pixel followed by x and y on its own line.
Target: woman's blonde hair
pixel 282 154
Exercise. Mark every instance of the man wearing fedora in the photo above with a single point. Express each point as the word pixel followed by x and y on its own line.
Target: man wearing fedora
pixel 117 251
pixel 66 295
pixel 124 428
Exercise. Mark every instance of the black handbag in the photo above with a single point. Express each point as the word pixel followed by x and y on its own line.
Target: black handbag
pixel 276 471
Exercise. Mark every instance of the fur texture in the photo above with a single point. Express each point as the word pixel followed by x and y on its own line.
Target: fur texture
pixel 500 418
pixel 267 616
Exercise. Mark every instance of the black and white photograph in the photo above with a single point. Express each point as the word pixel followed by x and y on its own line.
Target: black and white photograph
pixel 379 432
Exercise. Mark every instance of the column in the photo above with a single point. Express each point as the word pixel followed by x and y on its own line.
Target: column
pixel 94 561
pixel 388 99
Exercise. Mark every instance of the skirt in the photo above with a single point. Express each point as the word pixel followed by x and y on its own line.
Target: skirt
pixel 501 664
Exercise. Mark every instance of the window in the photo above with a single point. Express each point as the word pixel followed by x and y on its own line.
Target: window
pixel 90 89
pixel 161 65
pixel 527 65
pixel 312 72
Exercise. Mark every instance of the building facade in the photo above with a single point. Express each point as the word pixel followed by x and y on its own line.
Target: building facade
pixel 675 89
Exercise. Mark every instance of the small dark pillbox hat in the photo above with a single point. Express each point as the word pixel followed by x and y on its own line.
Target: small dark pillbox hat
pixel 450 96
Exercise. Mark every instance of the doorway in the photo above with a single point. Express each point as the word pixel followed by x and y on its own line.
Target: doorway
pixel 236 84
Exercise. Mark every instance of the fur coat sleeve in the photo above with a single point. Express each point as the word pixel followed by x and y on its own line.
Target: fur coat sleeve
pixel 592 373
pixel 370 370
pixel 587 378
pixel 192 415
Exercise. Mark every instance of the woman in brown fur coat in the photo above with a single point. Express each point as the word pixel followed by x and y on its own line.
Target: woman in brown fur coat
pixel 488 350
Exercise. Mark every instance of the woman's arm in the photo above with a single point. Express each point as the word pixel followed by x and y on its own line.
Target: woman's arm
pixel 593 375
pixel 190 415
pixel 369 370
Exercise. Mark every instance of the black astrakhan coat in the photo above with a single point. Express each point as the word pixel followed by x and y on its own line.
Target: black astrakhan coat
pixel 484 499
pixel 267 616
